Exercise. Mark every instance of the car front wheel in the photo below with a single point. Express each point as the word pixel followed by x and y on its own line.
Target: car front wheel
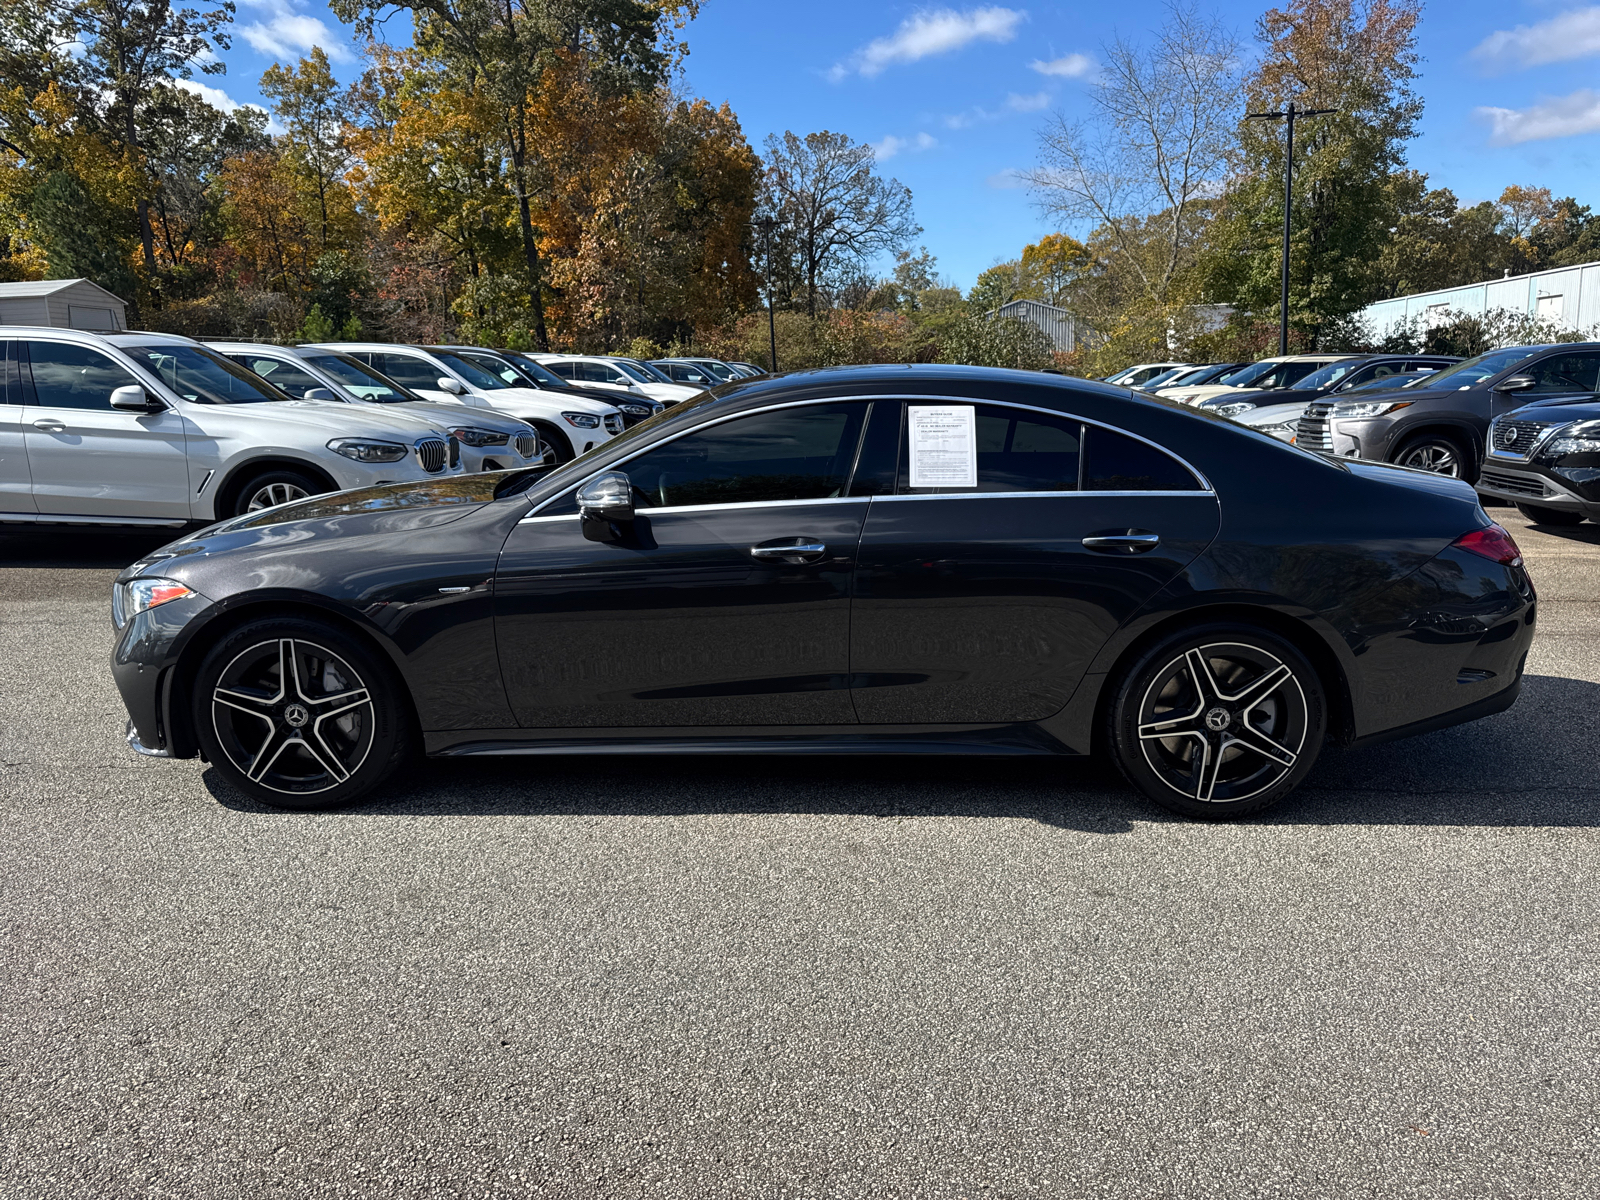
pixel 1217 721
pixel 272 488
pixel 1439 453
pixel 298 714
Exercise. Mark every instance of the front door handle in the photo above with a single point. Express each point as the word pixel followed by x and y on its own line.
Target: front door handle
pixel 1134 541
pixel 50 425
pixel 790 550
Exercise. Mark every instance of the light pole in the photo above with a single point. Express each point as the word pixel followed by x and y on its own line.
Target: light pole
pixel 767 224
pixel 1289 115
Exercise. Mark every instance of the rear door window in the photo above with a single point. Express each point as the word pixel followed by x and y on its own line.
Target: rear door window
pixel 1017 451
pixel 66 375
pixel 407 370
pixel 1115 462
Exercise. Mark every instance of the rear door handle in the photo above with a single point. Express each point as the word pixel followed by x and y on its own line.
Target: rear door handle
pixel 790 550
pixel 1134 541
pixel 49 425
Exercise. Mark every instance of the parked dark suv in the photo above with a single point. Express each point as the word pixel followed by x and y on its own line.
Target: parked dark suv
pixel 1545 459
pixel 1442 423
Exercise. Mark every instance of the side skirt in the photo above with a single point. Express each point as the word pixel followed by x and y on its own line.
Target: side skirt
pixel 992 740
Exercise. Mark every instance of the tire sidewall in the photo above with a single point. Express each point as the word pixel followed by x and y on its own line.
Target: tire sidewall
pixel 1122 718
pixel 391 736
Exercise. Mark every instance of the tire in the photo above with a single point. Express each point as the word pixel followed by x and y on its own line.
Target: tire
pixel 1202 768
pixel 278 486
pixel 335 734
pixel 1440 453
pixel 557 441
pixel 1540 515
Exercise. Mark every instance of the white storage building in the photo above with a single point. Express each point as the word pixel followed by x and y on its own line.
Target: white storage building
pixel 1568 296
pixel 62 303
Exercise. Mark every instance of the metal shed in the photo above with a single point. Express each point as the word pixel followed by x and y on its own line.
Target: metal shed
pixel 1060 326
pixel 62 303
pixel 1568 296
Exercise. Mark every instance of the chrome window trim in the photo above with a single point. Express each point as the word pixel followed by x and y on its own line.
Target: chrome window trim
pixel 1205 488
pixel 1027 495
pixel 694 508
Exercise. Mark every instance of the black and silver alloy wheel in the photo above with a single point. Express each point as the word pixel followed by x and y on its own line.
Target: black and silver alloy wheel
pixel 1218 723
pixel 270 495
pixel 1437 453
pixel 298 714
pixel 293 716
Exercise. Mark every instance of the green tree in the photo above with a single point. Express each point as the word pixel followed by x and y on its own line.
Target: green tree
pixel 313 108
pixel 1356 56
pixel 78 237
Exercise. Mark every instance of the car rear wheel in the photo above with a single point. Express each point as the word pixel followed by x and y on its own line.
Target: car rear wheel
pixel 1540 515
pixel 1439 453
pixel 298 714
pixel 1217 721
pixel 271 488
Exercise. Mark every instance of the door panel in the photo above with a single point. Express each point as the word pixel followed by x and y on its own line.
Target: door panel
pixel 88 458
pixel 681 626
pixel 990 609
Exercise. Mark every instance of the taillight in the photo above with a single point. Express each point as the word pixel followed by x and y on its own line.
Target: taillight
pixel 1491 542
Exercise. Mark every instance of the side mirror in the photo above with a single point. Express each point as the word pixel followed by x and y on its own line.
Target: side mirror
pixel 1517 383
pixel 446 384
pixel 604 503
pixel 319 394
pixel 133 398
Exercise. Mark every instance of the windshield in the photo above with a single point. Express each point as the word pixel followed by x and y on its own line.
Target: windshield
pixel 511 373
pixel 1326 376
pixel 1163 379
pixel 631 371
pixel 1246 376
pixel 472 372
pixel 1196 375
pixel 202 376
pixel 1476 370
pixel 361 379
pixel 538 372
pixel 718 370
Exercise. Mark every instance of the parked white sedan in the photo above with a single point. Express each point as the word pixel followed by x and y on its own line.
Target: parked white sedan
pixel 616 374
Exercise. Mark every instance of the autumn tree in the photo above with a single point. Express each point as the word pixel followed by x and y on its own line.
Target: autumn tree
pixel 313 107
pixel 838 212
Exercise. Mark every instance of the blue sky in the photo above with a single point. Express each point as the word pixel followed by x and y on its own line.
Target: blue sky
pixel 954 94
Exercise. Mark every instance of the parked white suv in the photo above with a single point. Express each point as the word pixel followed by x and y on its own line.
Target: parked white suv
pixel 569 426
pixel 155 429
pixel 612 373
pixel 490 440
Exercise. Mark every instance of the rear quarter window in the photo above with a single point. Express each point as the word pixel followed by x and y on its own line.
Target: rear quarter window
pixel 1115 462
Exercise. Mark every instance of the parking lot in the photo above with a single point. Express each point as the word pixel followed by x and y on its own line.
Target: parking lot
pixel 768 976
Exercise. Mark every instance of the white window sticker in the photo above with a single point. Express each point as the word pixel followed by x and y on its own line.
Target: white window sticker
pixel 944 446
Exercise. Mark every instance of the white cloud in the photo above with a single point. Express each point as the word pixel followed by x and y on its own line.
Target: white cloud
pixel 287 34
pixel 1068 66
pixel 1009 178
pixel 220 100
pixel 1574 34
pixel 935 31
pixel 891 145
pixel 1031 103
pixel 1563 116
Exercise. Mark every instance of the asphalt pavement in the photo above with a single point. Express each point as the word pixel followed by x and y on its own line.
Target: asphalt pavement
pixel 791 977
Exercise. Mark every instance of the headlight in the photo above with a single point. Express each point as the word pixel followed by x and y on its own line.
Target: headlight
pixel 581 420
pixel 1234 409
pixel 130 599
pixel 469 436
pixel 1283 431
pixel 1368 408
pixel 366 451
pixel 1581 437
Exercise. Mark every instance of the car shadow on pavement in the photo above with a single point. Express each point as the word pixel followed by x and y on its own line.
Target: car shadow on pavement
pixel 1531 766
pixel 72 547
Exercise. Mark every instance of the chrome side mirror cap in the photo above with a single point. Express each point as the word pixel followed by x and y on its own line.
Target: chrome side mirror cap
pixel 446 384
pixel 319 394
pixel 133 398
pixel 604 504
pixel 1516 383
